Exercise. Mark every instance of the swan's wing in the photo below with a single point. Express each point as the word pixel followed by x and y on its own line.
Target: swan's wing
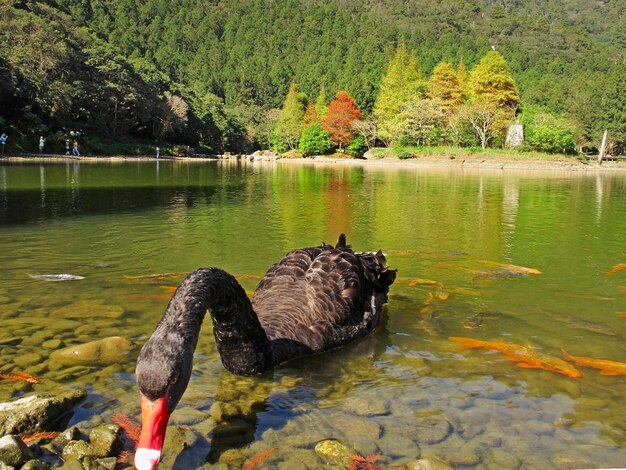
pixel 316 297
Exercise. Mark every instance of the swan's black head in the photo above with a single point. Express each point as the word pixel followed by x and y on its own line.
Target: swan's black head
pixel 163 371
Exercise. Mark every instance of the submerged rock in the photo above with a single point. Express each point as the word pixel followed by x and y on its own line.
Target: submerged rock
pixel 80 450
pixel 13 451
pixel 106 438
pixel 179 439
pixel 432 429
pixel 34 413
pixel 431 463
pixel 334 452
pixel 100 352
pixel 35 465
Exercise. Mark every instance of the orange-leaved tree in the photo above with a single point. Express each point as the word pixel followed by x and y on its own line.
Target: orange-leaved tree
pixel 340 118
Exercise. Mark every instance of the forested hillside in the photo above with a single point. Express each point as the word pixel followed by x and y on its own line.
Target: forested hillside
pixel 212 74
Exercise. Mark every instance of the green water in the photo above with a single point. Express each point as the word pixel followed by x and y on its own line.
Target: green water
pixel 405 391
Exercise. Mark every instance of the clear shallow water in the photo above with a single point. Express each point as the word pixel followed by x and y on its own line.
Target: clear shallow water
pixel 407 390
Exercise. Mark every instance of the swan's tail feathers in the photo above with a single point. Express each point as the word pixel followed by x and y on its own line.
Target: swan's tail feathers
pixel 341 241
pixel 377 270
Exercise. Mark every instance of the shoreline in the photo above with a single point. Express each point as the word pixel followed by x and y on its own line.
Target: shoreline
pixel 470 161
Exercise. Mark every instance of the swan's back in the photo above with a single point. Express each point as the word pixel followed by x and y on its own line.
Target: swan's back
pixel 318 298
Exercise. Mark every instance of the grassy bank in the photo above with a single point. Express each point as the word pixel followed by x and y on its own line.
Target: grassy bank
pixel 404 153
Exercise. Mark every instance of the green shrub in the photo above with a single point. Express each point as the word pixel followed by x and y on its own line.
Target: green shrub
pixel 548 132
pixel 357 147
pixel 551 139
pixel 277 143
pixel 314 141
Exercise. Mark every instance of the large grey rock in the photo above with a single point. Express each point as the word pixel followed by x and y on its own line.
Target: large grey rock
pixel 36 413
pixel 13 451
pixel 514 136
pixel 100 352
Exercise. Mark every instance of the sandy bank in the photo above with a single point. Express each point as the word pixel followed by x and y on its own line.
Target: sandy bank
pixel 520 162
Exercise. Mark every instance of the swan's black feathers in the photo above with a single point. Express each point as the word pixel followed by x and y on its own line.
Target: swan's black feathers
pixel 321 297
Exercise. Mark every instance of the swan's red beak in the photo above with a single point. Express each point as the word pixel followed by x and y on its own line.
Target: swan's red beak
pixel 154 417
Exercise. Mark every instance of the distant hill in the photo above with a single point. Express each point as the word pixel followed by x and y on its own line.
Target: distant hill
pixel 108 63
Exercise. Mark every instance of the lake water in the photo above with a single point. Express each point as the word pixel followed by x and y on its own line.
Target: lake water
pixel 458 239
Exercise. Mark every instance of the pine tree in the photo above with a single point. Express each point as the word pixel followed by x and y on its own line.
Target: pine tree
pixel 321 108
pixel 444 86
pixel 462 77
pixel 310 116
pixel 289 125
pixel 401 84
pixel 491 81
pixel 342 114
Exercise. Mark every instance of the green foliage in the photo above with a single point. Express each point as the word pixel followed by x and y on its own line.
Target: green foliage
pixel 291 117
pixel 357 147
pixel 485 118
pixel 277 143
pixel 418 120
pixel 401 84
pixel 321 107
pixel 314 141
pixel 546 132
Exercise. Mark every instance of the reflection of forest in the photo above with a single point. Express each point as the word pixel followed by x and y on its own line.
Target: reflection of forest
pixel 338 204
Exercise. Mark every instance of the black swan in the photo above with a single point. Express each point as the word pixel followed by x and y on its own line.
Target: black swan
pixel 312 300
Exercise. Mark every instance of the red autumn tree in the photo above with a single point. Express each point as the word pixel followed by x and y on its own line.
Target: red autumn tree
pixel 341 116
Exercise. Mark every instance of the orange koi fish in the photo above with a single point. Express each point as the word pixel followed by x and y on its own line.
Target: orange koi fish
pixel 525 357
pixel 422 282
pixel 20 376
pixel 615 269
pixel 606 367
pixel 155 276
pixel 243 277
pixel 258 459
pixel 512 268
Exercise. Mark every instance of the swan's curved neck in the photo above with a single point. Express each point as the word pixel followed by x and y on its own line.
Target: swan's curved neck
pixel 241 341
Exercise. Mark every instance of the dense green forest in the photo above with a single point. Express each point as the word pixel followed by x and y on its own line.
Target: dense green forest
pixel 214 74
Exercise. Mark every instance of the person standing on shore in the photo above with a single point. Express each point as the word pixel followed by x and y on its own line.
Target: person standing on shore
pixel 3 141
pixel 42 142
pixel 75 149
pixel 67 146
pixel 157 152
